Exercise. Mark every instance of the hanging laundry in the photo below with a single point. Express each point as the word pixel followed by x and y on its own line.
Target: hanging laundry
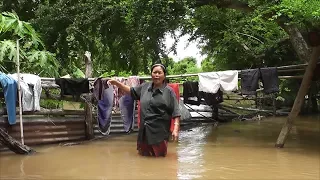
pixel 176 89
pixel 117 93
pixel 228 80
pixel 74 87
pixel 190 92
pixel 133 81
pixel 212 98
pixel 105 110
pixel 211 82
pixel 124 102
pixel 270 80
pixel 9 87
pixel 99 85
pixel 30 89
pixel 127 105
pixel 250 79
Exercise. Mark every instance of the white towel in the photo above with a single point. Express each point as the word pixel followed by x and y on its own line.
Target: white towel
pixel 228 80
pixel 211 82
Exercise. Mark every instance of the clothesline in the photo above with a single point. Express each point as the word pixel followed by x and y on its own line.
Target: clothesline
pixel 196 74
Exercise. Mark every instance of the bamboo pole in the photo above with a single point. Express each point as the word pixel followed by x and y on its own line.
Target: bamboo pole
pixel 280 68
pixel 306 81
pixel 19 93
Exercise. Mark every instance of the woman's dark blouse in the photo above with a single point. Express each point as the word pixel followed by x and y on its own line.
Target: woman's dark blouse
pixel 157 107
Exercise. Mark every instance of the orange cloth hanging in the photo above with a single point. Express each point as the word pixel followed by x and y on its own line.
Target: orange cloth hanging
pixel 175 87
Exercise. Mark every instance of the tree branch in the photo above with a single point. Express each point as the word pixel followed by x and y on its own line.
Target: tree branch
pixel 231 4
pixel 298 42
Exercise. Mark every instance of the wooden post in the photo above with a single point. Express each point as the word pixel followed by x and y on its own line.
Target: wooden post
pixel 306 81
pixel 88 106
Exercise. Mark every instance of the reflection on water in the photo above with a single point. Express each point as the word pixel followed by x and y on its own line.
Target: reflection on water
pixel 191 151
pixel 238 150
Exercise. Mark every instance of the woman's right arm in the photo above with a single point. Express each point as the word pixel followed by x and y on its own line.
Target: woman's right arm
pixel 120 85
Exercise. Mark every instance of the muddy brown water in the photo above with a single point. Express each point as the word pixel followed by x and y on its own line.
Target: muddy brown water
pixel 238 150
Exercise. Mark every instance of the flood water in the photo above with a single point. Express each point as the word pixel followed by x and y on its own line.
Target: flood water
pixel 238 150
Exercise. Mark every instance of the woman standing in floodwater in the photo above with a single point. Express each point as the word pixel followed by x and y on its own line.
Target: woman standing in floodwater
pixel 158 106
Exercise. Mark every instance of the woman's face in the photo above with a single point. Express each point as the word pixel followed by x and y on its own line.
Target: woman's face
pixel 157 75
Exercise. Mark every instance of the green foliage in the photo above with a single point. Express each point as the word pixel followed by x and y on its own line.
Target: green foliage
pixel 122 35
pixel 50 104
pixel 298 11
pixel 44 60
pixel 8 49
pixel 234 39
pixel 33 57
pixel 288 89
pixel 185 66
pixel 11 26
pixel 208 65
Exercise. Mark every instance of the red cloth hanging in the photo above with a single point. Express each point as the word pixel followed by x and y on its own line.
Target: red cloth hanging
pixel 175 87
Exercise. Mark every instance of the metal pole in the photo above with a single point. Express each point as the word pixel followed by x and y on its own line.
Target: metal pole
pixel 19 93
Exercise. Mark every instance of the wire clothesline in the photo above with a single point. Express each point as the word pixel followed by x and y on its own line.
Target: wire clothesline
pixel 196 74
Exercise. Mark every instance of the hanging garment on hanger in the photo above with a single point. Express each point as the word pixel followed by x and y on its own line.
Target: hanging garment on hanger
pixel 30 89
pixel 127 105
pixel 99 85
pixel 9 87
pixel 176 89
pixel 117 93
pixel 250 80
pixel 211 82
pixel 212 98
pixel 73 86
pixel 270 80
pixel 190 92
pixel 105 110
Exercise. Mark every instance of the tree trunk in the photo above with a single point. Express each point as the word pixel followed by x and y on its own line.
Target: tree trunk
pixel 304 87
pixel 299 44
pixel 13 144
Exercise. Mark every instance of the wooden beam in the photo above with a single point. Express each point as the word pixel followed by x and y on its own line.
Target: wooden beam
pixel 306 81
pixel 88 105
pixel 53 112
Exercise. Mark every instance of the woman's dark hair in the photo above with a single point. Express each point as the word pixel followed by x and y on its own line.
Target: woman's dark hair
pixel 162 67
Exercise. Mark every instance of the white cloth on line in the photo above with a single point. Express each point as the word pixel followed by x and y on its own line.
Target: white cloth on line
pixel 30 95
pixel 211 82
